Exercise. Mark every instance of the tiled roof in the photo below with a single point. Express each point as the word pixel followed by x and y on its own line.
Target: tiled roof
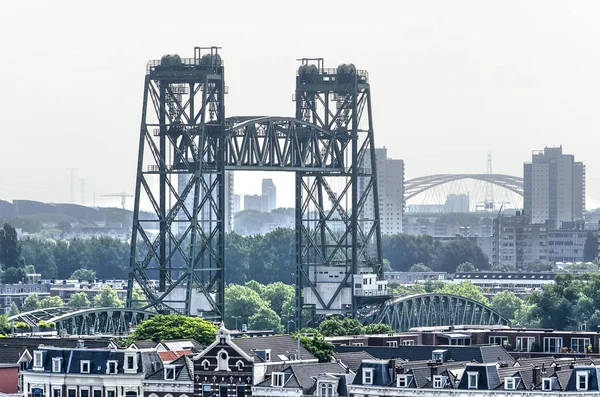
pixel 10 354
pixel 184 371
pixel 183 344
pixel 282 345
pixel 169 356
pixel 305 373
pixel 145 344
pixel 353 359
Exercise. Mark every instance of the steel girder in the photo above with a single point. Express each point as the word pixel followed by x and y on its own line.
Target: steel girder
pixel 416 186
pixel 182 132
pixel 428 310
pixel 337 213
pixel 105 320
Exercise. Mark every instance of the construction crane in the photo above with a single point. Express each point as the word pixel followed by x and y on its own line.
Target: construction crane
pixel 122 195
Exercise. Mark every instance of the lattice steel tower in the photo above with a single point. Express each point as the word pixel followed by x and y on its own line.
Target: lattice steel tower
pixel 179 241
pixel 339 266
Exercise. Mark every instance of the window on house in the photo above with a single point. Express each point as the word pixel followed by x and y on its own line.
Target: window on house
pixel 240 365
pixel 169 372
pixel 37 392
pixel 37 359
pixel 84 367
pixel 56 393
pixel 367 376
pixel 72 393
pixel 392 343
pixel 223 391
pixel 498 340
pixel 473 380
pixel 277 380
pixel 552 345
pixel 408 342
pixel 205 365
pixel 580 345
pixel 110 393
pixel 582 380
pixel 240 391
pixel 510 384
pixel 130 362
pixel 525 344
pixel 97 393
pixel 438 382
pixel 402 380
pixel 546 384
pixel 205 390
pixel 84 393
pixel 112 367
pixel 326 389
pixel 268 355
pixel 56 364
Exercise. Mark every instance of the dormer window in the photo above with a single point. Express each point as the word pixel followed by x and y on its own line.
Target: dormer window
pixel 582 380
pixel 547 384
pixel 111 367
pixel 473 380
pixel 37 359
pixel 510 383
pixel 439 381
pixel 169 372
pixel 277 379
pixel 56 364
pixel 367 376
pixel 403 380
pixel 130 362
pixel 326 389
pixel 84 366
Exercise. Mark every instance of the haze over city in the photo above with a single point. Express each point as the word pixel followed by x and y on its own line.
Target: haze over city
pixel 451 80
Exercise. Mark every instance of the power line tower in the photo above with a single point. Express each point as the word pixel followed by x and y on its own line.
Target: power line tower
pixel 82 186
pixel 338 235
pixel 489 204
pixel 182 132
pixel 72 178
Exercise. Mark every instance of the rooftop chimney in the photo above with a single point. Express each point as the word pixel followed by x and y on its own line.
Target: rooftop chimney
pixel 537 375
pixel 80 344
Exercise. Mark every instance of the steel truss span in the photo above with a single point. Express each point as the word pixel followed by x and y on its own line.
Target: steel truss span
pixel 429 310
pixel 105 320
pixel 416 186
pixel 186 145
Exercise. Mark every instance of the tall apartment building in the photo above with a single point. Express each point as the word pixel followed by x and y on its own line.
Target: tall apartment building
pixel 269 195
pixel 390 182
pixel 554 187
pixel 517 242
pixel 253 202
pixel 207 214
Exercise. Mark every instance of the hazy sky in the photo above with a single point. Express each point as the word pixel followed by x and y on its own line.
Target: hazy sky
pixel 450 80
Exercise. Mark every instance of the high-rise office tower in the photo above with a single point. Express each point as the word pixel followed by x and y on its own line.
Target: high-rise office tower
pixel 554 187
pixel 390 183
pixel 269 195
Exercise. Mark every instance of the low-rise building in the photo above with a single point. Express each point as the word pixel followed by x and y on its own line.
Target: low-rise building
pixel 17 293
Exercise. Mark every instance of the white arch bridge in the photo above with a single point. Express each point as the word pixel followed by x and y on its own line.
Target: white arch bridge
pixel 416 186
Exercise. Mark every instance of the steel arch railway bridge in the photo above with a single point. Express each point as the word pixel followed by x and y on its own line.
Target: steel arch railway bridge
pixel 105 320
pixel 428 310
pixel 416 186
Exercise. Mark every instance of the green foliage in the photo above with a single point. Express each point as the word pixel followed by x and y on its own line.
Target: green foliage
pixel 13 275
pixel 14 310
pixel 83 274
pixel 503 267
pixel 51 301
pixel 138 298
pixel 79 300
pixel 590 247
pixel 47 324
pixel 107 297
pixel 241 301
pixel 403 251
pixel 32 302
pixel 174 326
pixel 419 267
pixel 466 267
pixel 4 325
pixel 507 304
pixel 10 249
pixel 21 325
pixel 318 346
pixel 405 290
pixel 538 266
pixel 335 327
pixel 465 289
pixel 280 297
pixel 373 329
pixel 580 268
pixel 265 319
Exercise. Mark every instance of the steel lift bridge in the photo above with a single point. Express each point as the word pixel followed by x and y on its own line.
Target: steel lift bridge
pixel 186 144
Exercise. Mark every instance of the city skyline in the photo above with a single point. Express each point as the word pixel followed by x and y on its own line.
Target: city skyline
pixel 444 94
